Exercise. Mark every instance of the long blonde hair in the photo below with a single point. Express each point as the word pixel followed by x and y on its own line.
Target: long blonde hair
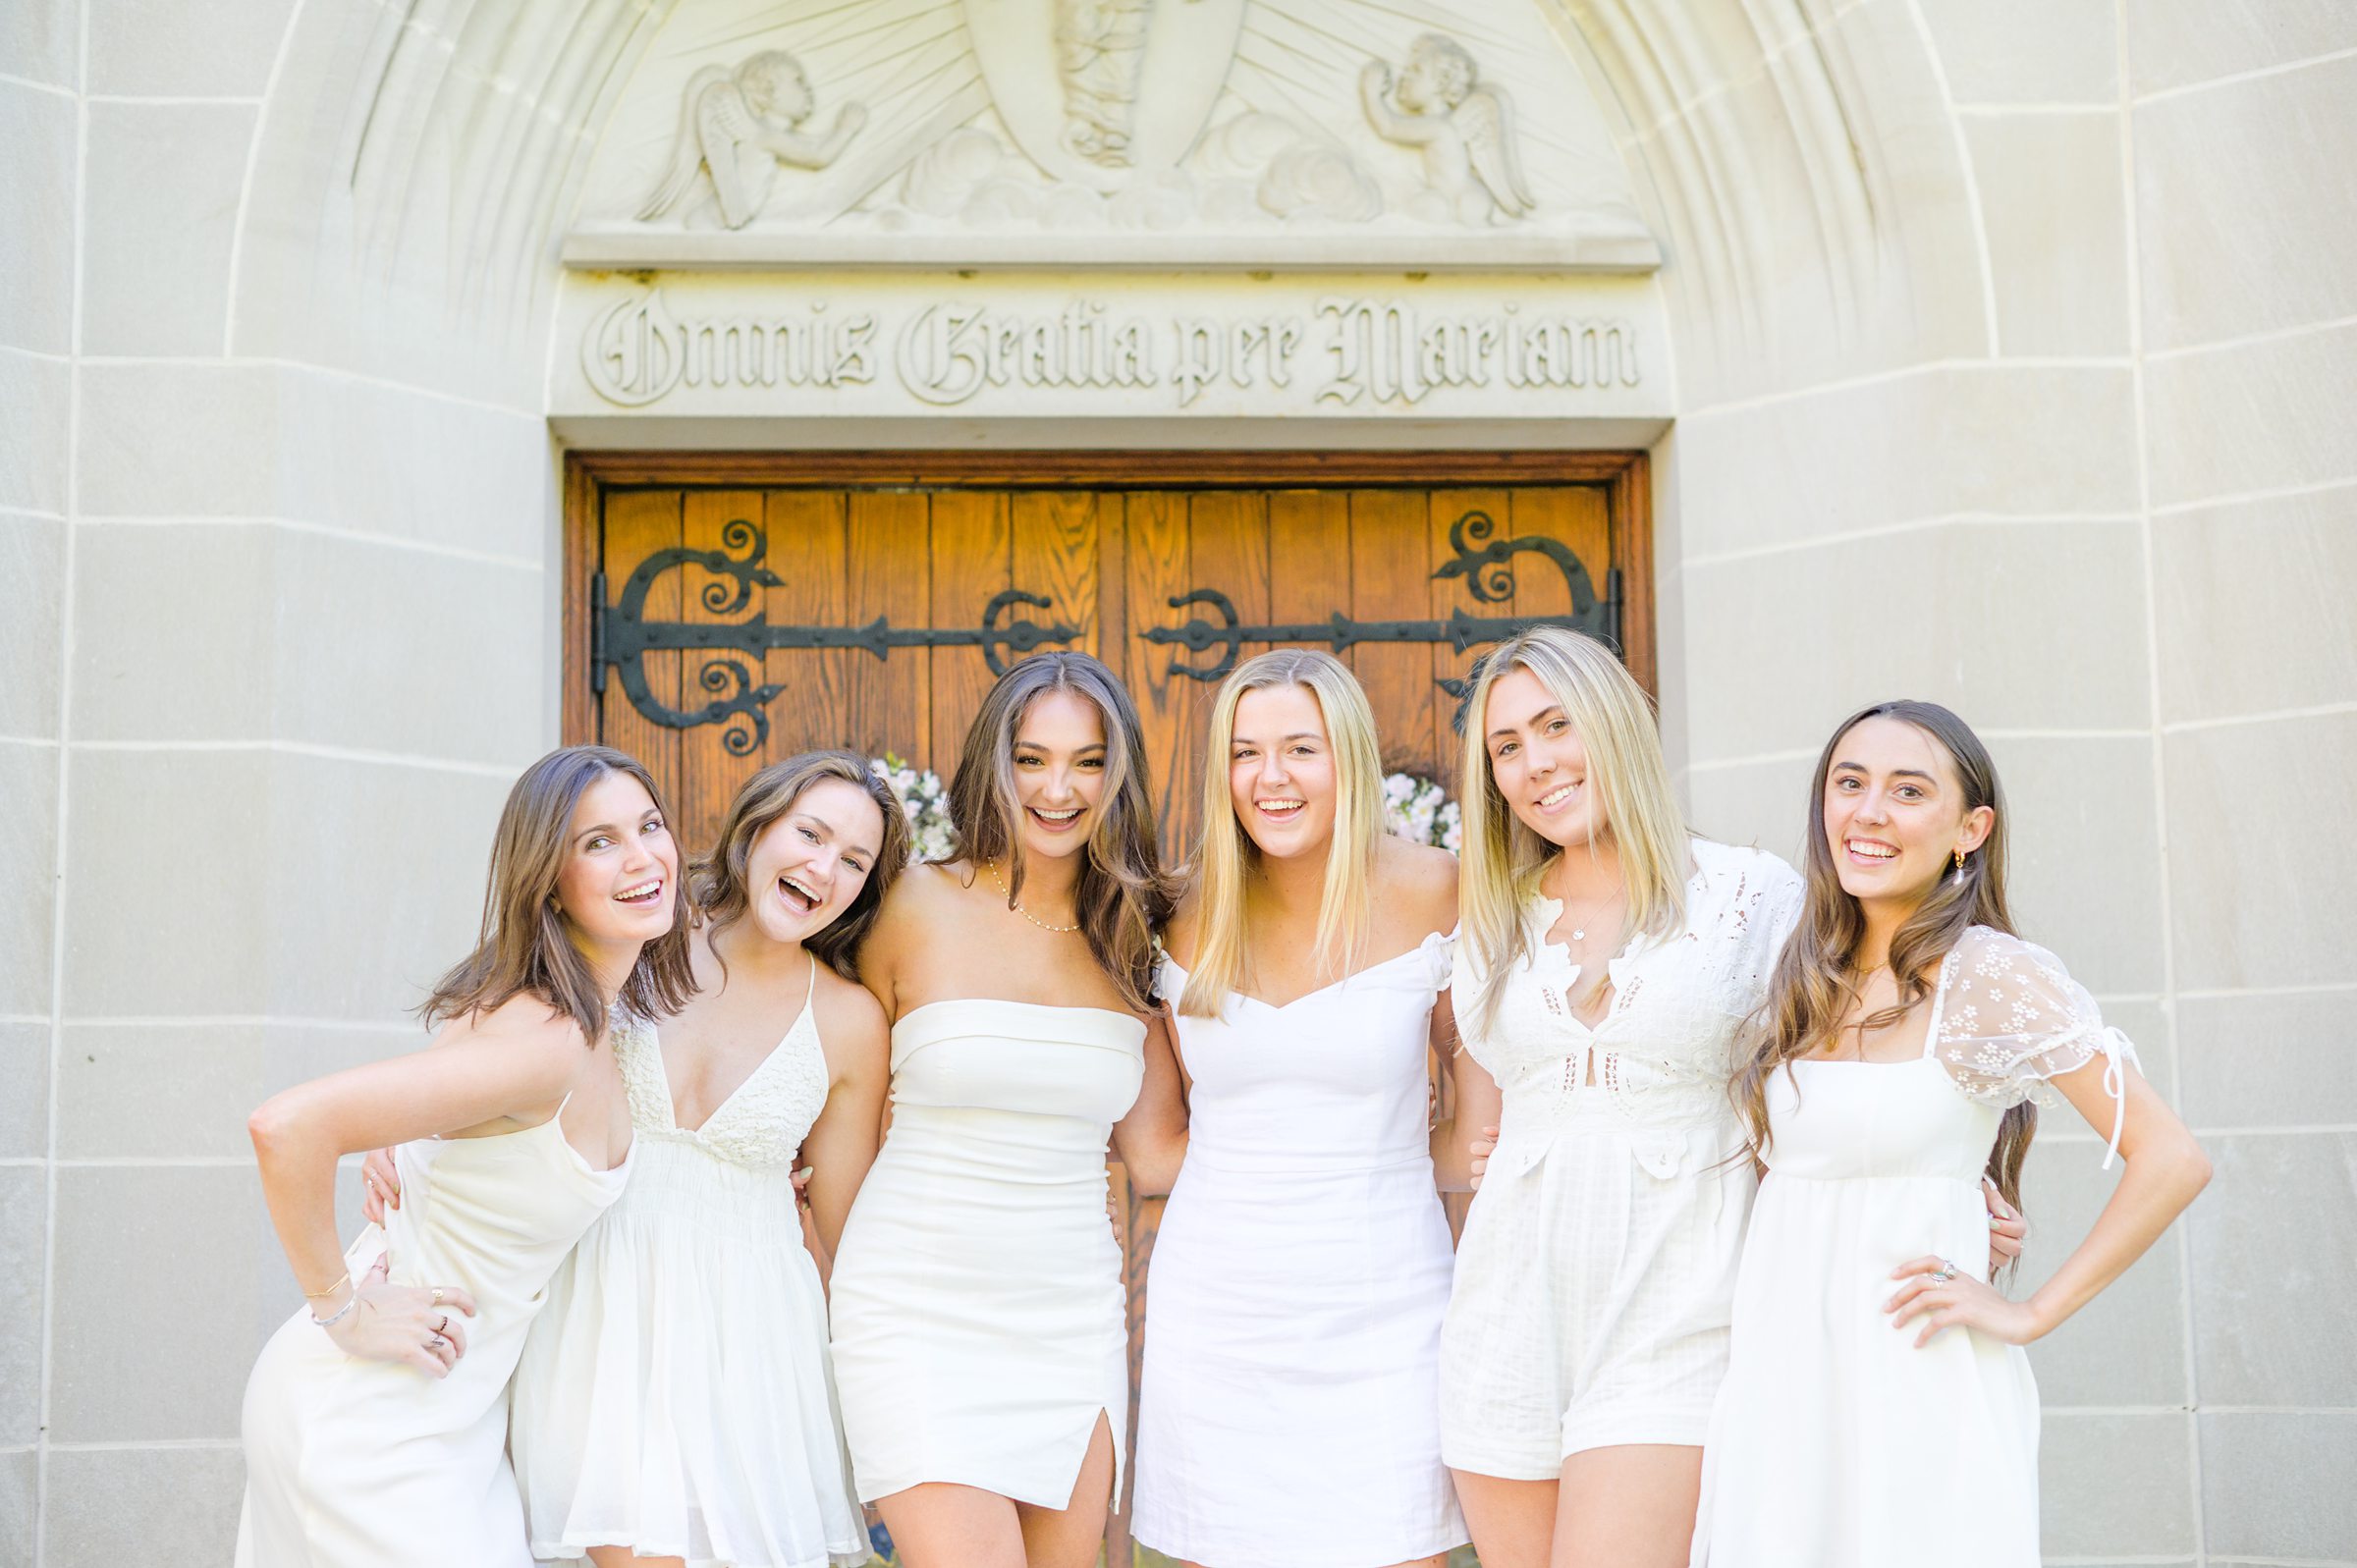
pixel 1501 862
pixel 1226 851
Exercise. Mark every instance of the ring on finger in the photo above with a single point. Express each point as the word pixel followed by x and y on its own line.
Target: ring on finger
pixel 437 1300
pixel 442 1327
pixel 435 1343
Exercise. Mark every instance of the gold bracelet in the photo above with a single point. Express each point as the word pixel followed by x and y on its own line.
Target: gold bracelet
pixel 342 1280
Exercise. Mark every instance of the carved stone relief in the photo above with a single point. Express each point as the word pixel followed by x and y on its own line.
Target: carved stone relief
pixel 1301 134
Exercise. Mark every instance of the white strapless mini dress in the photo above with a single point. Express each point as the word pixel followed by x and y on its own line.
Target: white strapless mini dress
pixel 979 1315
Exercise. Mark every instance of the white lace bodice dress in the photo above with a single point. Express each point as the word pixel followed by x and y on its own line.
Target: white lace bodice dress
pixel 676 1394
pixel 980 1319
pixel 1596 1273
pixel 1293 1303
pixel 373 1464
pixel 1837 1443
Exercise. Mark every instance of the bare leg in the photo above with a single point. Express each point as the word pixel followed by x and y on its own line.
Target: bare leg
pixel 1513 1521
pixel 620 1557
pixel 1068 1537
pixel 941 1524
pixel 1630 1507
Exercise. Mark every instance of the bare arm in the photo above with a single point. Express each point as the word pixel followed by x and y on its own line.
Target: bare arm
pixel 1151 1140
pixel 1475 1105
pixel 517 1063
pixel 2165 1169
pixel 841 1143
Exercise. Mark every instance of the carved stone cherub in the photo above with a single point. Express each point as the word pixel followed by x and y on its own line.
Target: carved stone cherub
pixel 1464 129
pixel 762 105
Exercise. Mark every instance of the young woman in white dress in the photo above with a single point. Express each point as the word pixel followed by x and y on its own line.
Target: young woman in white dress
pixel 1294 1305
pixel 981 1344
pixel 1907 1034
pixel 1606 958
pixel 675 1404
pixel 376 1420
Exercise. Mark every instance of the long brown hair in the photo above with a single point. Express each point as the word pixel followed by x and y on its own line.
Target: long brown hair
pixel 525 940
pixel 1815 983
pixel 722 895
pixel 1121 899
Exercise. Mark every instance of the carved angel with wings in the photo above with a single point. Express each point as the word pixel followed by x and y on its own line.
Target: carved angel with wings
pixel 1465 129
pixel 759 107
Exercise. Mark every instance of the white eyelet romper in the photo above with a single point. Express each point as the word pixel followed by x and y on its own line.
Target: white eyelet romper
pixel 1596 1273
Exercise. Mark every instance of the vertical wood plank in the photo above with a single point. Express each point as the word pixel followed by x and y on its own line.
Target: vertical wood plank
pixel 1309 557
pixel 1228 534
pixel 888 702
pixel 1391 564
pixel 1445 509
pixel 1630 497
pixel 638 524
pixel 709 773
pixel 807 544
pixel 578 703
pixel 1160 568
pixel 971 563
pixel 1055 554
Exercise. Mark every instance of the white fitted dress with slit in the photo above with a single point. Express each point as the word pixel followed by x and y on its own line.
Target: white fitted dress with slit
pixel 1837 1443
pixel 675 1395
pixel 980 1319
pixel 373 1464
pixel 1286 1417
pixel 1597 1269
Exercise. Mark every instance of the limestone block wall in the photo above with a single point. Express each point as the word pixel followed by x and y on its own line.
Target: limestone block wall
pixel 2038 400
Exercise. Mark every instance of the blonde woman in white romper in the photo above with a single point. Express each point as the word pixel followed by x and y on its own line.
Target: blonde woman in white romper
pixel 675 1404
pixel 1907 1035
pixel 979 1313
pixel 1605 959
pixel 1299 1277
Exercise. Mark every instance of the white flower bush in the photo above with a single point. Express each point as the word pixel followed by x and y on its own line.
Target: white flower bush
pixel 1418 810
pixel 924 799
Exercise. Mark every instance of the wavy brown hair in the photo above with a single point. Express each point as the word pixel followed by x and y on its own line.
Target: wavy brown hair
pixel 1816 983
pixel 722 894
pixel 526 941
pixel 1121 899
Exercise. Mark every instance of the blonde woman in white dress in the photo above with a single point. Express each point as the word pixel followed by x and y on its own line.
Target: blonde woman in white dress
pixel 675 1404
pixel 1293 1307
pixel 979 1313
pixel 1907 1035
pixel 376 1418
pixel 1606 958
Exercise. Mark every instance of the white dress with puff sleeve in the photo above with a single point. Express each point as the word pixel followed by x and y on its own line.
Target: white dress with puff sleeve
pixel 1835 1443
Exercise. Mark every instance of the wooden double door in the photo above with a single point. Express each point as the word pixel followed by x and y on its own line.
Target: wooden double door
pixel 724 613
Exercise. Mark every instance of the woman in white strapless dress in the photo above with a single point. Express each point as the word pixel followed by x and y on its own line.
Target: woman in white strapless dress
pixel 675 1404
pixel 376 1418
pixel 1906 1031
pixel 977 1303
pixel 1288 1412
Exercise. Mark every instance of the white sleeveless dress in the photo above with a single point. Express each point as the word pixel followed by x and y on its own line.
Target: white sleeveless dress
pixel 1835 1443
pixel 372 1464
pixel 980 1319
pixel 676 1394
pixel 1596 1273
pixel 1288 1413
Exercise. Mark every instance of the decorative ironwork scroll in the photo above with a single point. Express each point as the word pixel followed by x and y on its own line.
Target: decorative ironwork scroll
pixel 1489 573
pixel 621 636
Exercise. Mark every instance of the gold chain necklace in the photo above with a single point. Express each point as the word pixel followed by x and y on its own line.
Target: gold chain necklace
pixel 1026 913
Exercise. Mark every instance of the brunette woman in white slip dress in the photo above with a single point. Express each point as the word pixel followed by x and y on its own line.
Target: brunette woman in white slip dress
pixel 674 1403
pixel 980 1343
pixel 1604 962
pixel 1906 1032
pixel 376 1418
pixel 1293 1309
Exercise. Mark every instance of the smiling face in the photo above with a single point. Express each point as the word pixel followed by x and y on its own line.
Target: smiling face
pixel 1895 812
pixel 805 868
pixel 1280 772
pixel 1059 766
pixel 620 880
pixel 1538 763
